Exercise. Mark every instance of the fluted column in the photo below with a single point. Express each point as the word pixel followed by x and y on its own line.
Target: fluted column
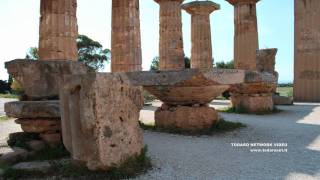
pixel 201 53
pixel 246 33
pixel 171 41
pixel 126 38
pixel 58 30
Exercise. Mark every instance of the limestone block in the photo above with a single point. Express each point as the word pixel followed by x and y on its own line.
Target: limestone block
pixel 266 60
pixel 39 125
pixel 42 167
pixel 100 114
pixel 40 79
pixel 186 117
pixel 52 139
pixel 281 100
pixel 33 109
pixel 253 104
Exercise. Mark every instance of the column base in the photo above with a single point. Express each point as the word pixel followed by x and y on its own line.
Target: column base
pixel 188 118
pixel 252 103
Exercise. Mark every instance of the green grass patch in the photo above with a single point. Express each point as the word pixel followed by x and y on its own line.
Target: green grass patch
pixel 222 126
pixel 65 169
pixel 285 91
pixel 275 110
pixel 5 118
pixel 9 96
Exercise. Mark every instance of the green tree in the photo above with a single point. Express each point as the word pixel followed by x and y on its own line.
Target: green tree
pixel 155 63
pixel 227 65
pixel 90 52
pixel 33 53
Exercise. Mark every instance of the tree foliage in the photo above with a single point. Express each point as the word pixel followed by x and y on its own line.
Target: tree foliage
pixel 155 63
pixel 33 53
pixel 90 52
pixel 227 65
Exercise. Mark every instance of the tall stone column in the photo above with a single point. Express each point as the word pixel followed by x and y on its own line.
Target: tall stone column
pixel 246 33
pixel 126 38
pixel 171 41
pixel 201 53
pixel 58 30
pixel 307 51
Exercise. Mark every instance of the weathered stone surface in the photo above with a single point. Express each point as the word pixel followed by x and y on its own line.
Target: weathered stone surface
pixel 42 167
pixel 17 155
pixel 246 34
pixel 201 53
pixel 266 60
pixel 100 114
pixel 281 100
pixel 171 40
pixel 186 117
pixel 36 145
pixel 307 51
pixel 40 79
pixel 58 30
pixel 33 109
pixel 39 125
pixel 194 86
pixel 126 38
pixel 253 103
pixel 51 139
pixel 196 77
pixel 253 88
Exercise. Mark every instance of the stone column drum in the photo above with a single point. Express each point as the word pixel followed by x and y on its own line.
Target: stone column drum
pixel 201 53
pixel 58 30
pixel 307 51
pixel 246 34
pixel 171 42
pixel 126 38
pixel 252 97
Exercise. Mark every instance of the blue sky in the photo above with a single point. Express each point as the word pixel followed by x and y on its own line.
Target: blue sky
pixel 19 27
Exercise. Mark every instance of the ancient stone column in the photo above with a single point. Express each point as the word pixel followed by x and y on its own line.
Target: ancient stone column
pixel 58 30
pixel 307 51
pixel 246 33
pixel 201 53
pixel 171 42
pixel 126 38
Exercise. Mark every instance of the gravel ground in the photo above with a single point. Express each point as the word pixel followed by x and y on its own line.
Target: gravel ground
pixel 213 157
pixel 181 157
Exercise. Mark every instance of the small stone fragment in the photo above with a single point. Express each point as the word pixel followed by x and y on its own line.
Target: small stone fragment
pixel 36 145
pixel 51 139
pixel 39 125
pixel 42 167
pixel 17 155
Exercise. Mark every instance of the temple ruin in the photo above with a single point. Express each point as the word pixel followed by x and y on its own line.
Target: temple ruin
pixel 99 112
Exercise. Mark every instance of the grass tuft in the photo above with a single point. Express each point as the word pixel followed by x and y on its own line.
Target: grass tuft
pixel 275 110
pixel 5 118
pixel 221 127
pixel 65 169
pixel 9 96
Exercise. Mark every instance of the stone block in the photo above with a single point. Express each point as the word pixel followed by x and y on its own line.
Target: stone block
pixel 281 100
pixel 100 114
pixel 250 103
pixel 42 167
pixel 186 117
pixel 39 125
pixel 40 79
pixel 17 155
pixel 33 109
pixel 51 139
